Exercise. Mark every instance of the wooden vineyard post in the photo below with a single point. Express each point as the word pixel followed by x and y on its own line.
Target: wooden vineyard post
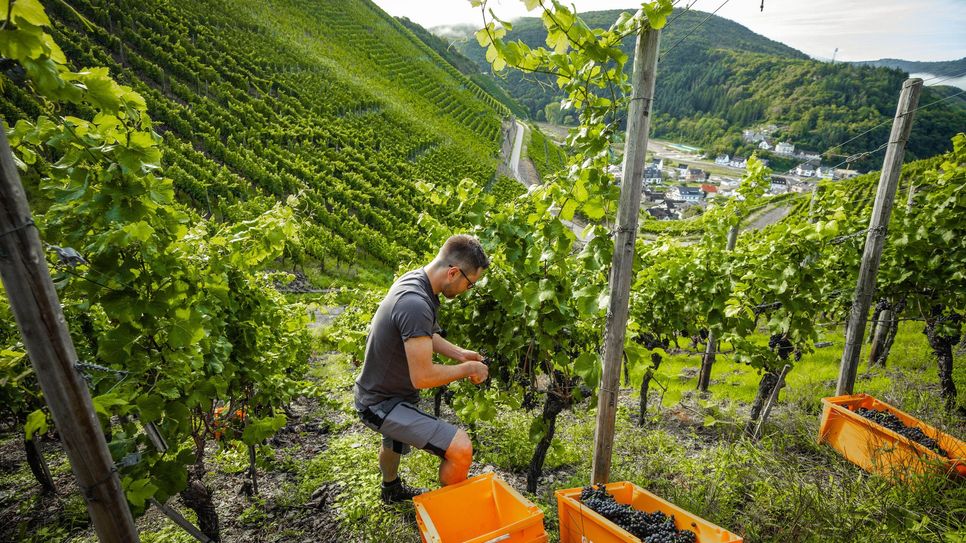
pixel 628 211
pixel 37 310
pixel 179 519
pixel 704 376
pixel 875 238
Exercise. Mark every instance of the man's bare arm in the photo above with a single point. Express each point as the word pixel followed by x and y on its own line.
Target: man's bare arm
pixel 447 349
pixel 426 374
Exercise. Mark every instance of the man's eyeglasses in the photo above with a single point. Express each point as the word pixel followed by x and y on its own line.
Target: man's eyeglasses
pixel 471 283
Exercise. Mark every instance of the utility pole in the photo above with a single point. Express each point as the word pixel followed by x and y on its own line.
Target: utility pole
pixel 704 377
pixel 37 310
pixel 875 238
pixel 628 211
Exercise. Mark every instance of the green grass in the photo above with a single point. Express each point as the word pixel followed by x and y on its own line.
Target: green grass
pixel 814 376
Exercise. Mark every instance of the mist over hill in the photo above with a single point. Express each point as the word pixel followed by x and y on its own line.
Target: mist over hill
pixel 943 68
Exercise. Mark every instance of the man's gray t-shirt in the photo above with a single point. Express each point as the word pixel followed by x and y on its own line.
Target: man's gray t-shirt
pixel 408 310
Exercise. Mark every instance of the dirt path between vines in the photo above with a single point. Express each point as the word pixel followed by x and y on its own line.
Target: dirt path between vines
pixel 767 217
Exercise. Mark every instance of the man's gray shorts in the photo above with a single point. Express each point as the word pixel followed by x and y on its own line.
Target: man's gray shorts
pixel 402 425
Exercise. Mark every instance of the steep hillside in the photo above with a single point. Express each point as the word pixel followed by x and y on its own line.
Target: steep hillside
pixel 332 100
pixel 723 78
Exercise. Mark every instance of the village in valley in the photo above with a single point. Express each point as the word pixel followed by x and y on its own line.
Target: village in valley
pixel 679 181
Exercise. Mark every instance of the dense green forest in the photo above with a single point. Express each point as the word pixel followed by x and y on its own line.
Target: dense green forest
pixel 252 111
pixel 723 78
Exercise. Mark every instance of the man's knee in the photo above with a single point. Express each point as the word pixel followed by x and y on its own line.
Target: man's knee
pixel 460 450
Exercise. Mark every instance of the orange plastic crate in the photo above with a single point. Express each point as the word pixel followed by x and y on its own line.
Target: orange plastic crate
pixel 580 524
pixel 482 509
pixel 880 450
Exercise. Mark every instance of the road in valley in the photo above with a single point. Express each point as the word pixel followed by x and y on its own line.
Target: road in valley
pixel 517 147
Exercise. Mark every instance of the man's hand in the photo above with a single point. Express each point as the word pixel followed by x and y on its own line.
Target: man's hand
pixel 467 356
pixel 478 371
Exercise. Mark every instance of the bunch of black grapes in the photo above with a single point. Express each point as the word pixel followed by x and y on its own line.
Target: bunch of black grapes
pixel 783 346
pixel 892 422
pixel 653 527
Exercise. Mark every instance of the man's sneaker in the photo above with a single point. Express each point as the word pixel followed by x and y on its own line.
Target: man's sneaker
pixel 396 492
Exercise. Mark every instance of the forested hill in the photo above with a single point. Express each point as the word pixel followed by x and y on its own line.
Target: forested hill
pixel 716 33
pixel 723 78
pixel 943 68
pixel 330 99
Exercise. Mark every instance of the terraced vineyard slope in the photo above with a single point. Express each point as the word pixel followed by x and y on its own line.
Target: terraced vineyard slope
pixel 334 101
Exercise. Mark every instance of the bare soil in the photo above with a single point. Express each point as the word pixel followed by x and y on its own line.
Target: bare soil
pixel 24 510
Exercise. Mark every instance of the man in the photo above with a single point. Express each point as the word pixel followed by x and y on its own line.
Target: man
pixel 403 336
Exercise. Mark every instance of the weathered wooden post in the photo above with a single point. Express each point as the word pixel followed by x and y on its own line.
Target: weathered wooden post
pixel 36 308
pixel 875 238
pixel 628 211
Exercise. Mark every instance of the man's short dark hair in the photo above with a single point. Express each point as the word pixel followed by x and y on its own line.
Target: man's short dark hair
pixel 464 251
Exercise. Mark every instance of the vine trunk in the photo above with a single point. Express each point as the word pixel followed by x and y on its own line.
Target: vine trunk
pixel 552 407
pixel 768 381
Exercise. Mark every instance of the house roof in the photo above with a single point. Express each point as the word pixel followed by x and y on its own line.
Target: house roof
pixel 709 188
pixel 689 191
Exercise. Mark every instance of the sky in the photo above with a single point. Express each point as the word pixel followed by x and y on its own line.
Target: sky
pixel 924 30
